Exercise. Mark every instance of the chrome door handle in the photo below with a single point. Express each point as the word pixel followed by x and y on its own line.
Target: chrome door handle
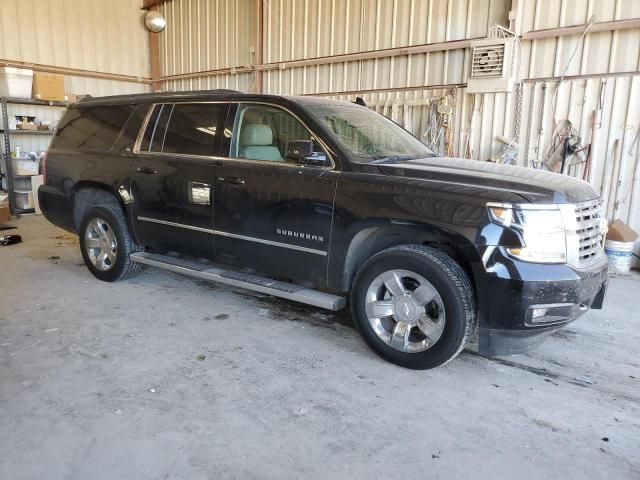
pixel 234 180
pixel 147 170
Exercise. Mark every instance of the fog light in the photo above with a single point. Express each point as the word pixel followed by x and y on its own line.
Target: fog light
pixel 539 312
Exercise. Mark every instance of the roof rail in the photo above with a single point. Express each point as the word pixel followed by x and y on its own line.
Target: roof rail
pixel 224 90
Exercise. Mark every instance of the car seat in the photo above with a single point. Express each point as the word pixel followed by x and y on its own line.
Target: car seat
pixel 256 143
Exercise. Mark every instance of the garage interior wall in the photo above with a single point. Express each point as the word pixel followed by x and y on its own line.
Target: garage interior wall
pixel 415 52
pixel 87 35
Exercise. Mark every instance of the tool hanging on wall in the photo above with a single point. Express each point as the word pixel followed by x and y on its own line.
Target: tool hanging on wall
pixel 434 132
pixel 596 124
pixel 509 151
pixel 564 149
pixel 630 195
pixel 445 109
pixel 438 135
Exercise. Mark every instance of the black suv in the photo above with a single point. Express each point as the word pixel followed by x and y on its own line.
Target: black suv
pixel 321 201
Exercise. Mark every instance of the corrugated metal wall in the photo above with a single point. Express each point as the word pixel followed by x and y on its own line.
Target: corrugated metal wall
pixel 319 28
pixel 87 34
pixel 208 35
pixel 602 75
pixel 96 35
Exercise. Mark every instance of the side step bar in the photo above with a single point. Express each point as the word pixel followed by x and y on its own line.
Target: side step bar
pixel 256 283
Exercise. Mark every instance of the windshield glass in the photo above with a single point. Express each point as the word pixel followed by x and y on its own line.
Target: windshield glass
pixel 367 135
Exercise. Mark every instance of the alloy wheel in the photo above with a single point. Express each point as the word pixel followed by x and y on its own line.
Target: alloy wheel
pixel 101 244
pixel 405 311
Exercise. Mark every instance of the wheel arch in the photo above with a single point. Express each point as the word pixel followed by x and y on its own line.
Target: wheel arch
pixel 373 239
pixel 87 194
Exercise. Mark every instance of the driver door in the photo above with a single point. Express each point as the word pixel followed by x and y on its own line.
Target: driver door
pixel 270 213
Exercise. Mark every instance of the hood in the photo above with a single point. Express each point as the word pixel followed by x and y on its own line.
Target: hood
pixel 535 186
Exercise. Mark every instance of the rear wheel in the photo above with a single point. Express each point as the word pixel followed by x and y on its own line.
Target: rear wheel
pixel 414 306
pixel 106 244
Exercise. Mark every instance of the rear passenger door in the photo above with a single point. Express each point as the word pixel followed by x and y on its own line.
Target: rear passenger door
pixel 172 176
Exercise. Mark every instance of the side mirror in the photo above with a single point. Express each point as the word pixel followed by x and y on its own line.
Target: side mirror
pixel 302 152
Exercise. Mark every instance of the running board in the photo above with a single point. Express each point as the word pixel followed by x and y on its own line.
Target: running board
pixel 256 283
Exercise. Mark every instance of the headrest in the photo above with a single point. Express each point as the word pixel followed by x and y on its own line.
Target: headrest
pixel 256 134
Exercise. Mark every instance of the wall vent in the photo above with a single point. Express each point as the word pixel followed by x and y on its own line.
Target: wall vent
pixel 488 61
pixel 492 66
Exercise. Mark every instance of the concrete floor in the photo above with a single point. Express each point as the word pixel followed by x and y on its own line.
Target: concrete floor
pixel 165 377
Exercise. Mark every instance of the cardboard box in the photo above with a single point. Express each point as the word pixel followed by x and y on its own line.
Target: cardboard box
pixel 5 216
pixel 26 126
pixel 47 86
pixel 621 232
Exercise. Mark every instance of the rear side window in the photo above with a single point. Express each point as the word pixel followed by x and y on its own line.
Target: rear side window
pixel 92 127
pixel 185 128
pixel 131 129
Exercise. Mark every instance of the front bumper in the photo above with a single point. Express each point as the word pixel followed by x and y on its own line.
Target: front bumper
pixel 522 302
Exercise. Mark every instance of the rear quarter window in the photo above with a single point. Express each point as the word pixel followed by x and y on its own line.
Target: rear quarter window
pixel 92 127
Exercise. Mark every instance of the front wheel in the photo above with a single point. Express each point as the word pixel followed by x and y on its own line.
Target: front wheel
pixel 414 306
pixel 106 244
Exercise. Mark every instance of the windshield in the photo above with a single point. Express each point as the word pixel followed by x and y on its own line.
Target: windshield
pixel 367 135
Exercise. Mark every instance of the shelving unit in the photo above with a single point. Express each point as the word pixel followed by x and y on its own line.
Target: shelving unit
pixel 27 132
pixel 6 153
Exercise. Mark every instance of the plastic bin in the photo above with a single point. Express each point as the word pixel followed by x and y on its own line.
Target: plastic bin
pixel 24 200
pixel 36 181
pixel 15 82
pixel 25 166
pixel 22 183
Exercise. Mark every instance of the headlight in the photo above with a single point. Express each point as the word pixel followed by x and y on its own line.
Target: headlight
pixel 541 228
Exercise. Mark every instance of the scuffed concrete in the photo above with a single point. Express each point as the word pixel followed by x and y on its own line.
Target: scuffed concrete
pixel 106 381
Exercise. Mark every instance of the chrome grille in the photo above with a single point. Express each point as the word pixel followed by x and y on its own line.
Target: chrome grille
pixel 589 223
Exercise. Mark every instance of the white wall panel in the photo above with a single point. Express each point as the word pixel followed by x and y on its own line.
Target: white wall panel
pixel 85 34
pixel 207 34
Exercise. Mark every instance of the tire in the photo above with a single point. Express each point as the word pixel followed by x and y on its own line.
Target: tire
pixel 393 320
pixel 116 265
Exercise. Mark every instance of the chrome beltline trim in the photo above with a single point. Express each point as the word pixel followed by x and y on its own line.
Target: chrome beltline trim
pixel 270 242
pixel 234 235
pixel 173 224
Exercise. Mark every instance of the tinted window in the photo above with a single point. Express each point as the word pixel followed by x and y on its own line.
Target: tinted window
pixel 92 127
pixel 151 126
pixel 130 131
pixel 193 128
pixel 367 135
pixel 262 132
pixel 157 136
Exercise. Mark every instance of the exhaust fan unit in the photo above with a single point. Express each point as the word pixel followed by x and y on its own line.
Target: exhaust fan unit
pixel 492 66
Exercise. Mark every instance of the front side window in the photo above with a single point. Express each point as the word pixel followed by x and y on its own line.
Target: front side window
pixel 367 135
pixel 185 128
pixel 262 132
